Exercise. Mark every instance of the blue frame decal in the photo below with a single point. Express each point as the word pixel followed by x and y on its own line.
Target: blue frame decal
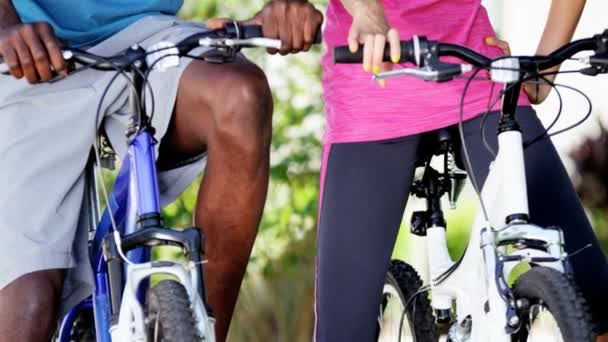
pixel 135 193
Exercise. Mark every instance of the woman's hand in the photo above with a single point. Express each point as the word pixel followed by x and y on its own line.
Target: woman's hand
pixel 371 29
pixel 537 93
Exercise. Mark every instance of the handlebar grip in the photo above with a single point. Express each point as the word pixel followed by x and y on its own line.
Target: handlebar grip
pixel 255 31
pixel 4 69
pixel 342 54
pixel 318 36
pixel 252 31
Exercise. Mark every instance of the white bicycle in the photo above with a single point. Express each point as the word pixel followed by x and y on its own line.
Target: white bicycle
pixel 472 294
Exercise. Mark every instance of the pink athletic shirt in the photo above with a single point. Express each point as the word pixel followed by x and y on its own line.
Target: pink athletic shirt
pixel 357 109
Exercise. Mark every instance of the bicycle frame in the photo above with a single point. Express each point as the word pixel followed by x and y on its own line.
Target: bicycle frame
pixel 135 206
pixel 478 280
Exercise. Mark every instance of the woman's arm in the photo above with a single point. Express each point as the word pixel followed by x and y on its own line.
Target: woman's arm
pixel 559 29
pixel 561 23
pixel 353 5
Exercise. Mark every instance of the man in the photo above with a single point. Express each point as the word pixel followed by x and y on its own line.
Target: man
pixel 46 130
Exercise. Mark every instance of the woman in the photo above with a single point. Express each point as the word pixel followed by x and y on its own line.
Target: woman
pixel 370 149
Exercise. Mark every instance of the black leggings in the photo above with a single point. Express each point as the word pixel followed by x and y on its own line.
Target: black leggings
pixel 365 189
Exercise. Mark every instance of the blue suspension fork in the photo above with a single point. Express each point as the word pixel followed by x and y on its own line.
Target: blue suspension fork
pixel 137 201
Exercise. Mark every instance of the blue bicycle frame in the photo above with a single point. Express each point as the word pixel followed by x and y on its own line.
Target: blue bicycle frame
pixel 135 206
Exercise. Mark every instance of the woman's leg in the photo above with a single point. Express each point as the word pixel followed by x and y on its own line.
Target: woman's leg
pixel 552 202
pixel 364 191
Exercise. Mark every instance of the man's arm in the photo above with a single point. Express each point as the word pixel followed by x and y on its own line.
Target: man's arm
pixel 8 15
pixel 29 50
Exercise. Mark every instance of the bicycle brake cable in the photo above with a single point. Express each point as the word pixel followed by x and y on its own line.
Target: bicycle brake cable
pixel 546 134
pixel 464 146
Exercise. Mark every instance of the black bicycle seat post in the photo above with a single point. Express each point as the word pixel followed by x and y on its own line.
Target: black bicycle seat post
pixel 137 107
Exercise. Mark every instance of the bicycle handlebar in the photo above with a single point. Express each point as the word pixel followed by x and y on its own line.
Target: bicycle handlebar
pixel 232 37
pixel 417 49
pixel 342 54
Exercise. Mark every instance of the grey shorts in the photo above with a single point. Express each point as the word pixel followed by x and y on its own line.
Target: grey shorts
pixel 46 133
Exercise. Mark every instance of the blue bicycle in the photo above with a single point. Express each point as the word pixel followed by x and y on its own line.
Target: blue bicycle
pixel 123 306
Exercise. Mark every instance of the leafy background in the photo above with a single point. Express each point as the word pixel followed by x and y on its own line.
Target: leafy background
pixel 276 300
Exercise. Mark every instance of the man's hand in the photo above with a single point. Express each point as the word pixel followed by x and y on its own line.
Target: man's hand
pixel 294 22
pixel 32 50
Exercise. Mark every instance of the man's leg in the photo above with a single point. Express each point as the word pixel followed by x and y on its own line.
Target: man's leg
pixel 29 307
pixel 225 110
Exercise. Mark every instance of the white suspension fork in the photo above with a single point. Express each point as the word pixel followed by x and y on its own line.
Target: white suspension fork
pixel 511 159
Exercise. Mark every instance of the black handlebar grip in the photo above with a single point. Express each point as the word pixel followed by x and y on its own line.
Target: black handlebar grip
pixel 342 54
pixel 251 31
pixel 255 31
pixel 318 37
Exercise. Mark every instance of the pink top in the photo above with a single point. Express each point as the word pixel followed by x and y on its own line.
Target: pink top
pixel 357 109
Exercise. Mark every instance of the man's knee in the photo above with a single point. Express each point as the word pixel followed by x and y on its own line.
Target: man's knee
pixel 231 103
pixel 29 305
pixel 243 114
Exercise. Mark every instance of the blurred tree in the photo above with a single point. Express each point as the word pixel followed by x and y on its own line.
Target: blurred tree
pixel 591 160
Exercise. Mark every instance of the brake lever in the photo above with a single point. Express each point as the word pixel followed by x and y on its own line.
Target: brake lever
pixel 425 73
pixel 598 64
pixel 438 73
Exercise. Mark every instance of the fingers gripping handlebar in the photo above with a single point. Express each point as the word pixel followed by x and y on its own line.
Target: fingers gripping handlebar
pixel 425 53
pixel 419 50
pixel 231 39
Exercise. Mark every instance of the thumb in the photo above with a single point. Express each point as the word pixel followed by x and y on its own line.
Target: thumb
pixel 217 23
pixel 220 23
pixel 501 44
pixel 253 21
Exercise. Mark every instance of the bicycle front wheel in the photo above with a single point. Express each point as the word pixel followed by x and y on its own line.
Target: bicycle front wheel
pixel 401 283
pixel 168 314
pixel 554 311
pixel 83 329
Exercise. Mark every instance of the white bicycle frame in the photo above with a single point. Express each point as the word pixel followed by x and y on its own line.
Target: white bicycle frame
pixel 476 283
